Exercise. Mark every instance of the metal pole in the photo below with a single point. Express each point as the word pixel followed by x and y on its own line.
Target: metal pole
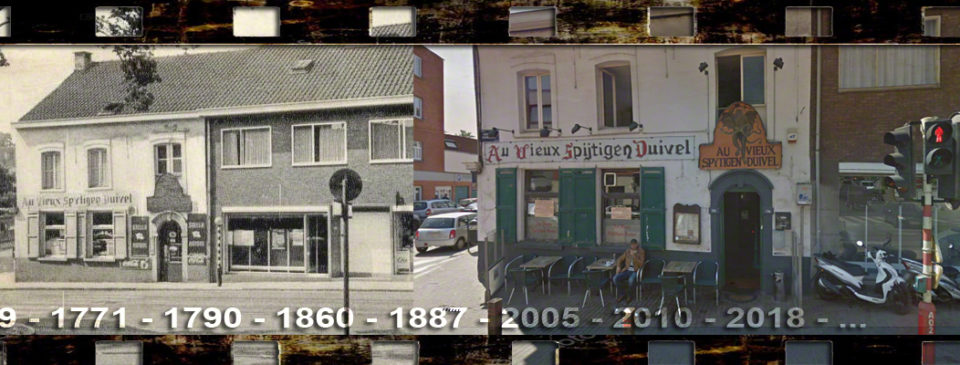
pixel 927 238
pixel 219 253
pixel 866 229
pixel 900 231
pixel 346 251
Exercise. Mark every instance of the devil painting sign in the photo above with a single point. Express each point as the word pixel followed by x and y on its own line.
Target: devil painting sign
pixel 740 142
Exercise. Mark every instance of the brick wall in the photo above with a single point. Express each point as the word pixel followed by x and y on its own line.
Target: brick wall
pixel 429 130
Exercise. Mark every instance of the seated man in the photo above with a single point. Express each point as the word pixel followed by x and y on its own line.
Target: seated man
pixel 627 266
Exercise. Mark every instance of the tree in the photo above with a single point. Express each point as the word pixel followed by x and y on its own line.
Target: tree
pixel 466 133
pixel 8 188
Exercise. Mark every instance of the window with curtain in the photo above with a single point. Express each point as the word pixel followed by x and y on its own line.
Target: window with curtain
pixel 247 147
pixel 321 143
pixel 542 186
pixel 616 96
pixel 417 107
pixel 98 175
pixel 537 101
pixel 51 170
pixel 893 66
pixel 54 234
pixel 621 206
pixel 168 159
pixel 417 151
pixel 391 140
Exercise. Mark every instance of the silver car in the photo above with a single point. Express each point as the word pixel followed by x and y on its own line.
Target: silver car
pixel 425 208
pixel 444 230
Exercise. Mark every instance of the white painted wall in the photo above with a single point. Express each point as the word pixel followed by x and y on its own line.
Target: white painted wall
pixel 130 153
pixel 453 161
pixel 670 97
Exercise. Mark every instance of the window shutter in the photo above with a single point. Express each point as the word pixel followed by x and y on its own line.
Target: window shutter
pixel 70 224
pixel 33 235
pixel 120 234
pixel 653 208
pixel 82 234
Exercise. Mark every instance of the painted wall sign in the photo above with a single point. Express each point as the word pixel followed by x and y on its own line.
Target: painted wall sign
pixel 139 236
pixel 579 150
pixel 197 234
pixel 740 142
pixel 79 200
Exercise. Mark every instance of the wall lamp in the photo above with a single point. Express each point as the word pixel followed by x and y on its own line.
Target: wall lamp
pixel 778 63
pixel 635 125
pixel 545 132
pixel 493 133
pixel 703 68
pixel 577 127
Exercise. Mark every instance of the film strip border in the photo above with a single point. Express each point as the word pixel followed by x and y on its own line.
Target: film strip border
pixel 465 21
pixel 516 350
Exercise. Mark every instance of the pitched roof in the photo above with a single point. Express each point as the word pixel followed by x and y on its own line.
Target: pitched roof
pixel 464 144
pixel 256 76
pixel 394 30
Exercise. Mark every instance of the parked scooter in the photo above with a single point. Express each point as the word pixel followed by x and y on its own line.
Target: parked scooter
pixel 837 278
pixel 947 290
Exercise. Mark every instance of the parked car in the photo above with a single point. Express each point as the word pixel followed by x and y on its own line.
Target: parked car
pixel 444 230
pixel 425 208
pixel 472 207
pixel 467 201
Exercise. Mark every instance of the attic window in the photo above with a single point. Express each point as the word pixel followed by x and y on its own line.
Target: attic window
pixel 111 108
pixel 302 66
pixel 450 144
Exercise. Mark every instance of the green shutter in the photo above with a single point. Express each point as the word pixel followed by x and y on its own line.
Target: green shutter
pixel 577 211
pixel 507 205
pixel 33 235
pixel 653 208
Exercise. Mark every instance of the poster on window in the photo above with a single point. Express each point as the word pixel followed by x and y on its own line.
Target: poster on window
pixel 139 236
pixel 278 240
pixel 296 237
pixel 243 238
pixel 197 234
pixel 621 213
pixel 543 208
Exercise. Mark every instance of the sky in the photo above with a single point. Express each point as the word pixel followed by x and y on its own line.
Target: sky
pixel 35 71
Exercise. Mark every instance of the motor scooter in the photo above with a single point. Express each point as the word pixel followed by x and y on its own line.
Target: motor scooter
pixel 837 278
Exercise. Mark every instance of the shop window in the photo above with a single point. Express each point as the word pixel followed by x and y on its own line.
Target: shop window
pixel 417 193
pixel 615 96
pixel 54 235
pixel 541 193
pixel 246 147
pixel 168 159
pixel 321 143
pixel 101 243
pixel 621 206
pixel 888 66
pixel 740 78
pixel 391 140
pixel 267 244
pixel 417 107
pixel 417 151
pixel 98 168
pixel 443 192
pixel 52 170
pixel 417 66
pixel 537 113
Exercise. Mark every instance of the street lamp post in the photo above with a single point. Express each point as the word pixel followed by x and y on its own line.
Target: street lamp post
pixel 218 222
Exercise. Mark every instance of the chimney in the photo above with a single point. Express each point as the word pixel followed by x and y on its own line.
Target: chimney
pixel 81 60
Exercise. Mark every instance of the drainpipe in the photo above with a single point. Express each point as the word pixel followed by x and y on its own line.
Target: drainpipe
pixel 817 197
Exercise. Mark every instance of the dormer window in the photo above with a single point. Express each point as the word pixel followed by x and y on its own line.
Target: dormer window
pixel 302 66
pixel 450 144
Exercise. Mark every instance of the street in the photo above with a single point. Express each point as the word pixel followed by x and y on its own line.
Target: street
pixel 445 277
pixel 252 305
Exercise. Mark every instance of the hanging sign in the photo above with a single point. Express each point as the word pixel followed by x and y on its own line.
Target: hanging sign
pixel 197 234
pixel 581 150
pixel 740 142
pixel 139 236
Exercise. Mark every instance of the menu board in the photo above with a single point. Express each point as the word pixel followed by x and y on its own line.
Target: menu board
pixel 197 234
pixel 543 208
pixel 139 236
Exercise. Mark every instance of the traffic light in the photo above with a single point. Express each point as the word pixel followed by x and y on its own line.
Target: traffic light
pixel 902 160
pixel 939 154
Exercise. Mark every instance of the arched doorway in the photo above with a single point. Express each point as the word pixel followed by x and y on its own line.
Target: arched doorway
pixel 169 252
pixel 741 214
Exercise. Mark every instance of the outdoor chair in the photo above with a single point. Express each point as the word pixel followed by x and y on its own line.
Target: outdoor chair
pixel 595 281
pixel 671 285
pixel 560 271
pixel 706 274
pixel 517 276
pixel 576 271
pixel 650 273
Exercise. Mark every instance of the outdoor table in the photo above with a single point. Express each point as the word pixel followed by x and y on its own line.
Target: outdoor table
pixel 683 268
pixel 541 263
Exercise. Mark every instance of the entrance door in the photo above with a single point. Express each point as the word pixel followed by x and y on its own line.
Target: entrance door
pixel 317 245
pixel 460 192
pixel 741 240
pixel 169 253
pixel 578 213
pixel 506 205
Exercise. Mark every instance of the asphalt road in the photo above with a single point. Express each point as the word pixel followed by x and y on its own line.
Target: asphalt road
pixel 445 277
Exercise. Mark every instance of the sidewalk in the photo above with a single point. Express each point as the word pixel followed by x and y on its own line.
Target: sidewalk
pixel 356 284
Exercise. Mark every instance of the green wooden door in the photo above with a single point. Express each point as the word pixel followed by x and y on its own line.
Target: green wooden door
pixel 507 205
pixel 461 192
pixel 653 209
pixel 577 211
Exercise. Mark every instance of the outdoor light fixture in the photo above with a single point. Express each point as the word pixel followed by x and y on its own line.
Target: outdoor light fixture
pixel 778 63
pixel 577 127
pixel 703 68
pixel 545 132
pixel 492 133
pixel 497 130
pixel 635 125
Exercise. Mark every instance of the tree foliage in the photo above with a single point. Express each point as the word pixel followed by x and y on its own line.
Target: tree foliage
pixel 123 21
pixel 8 188
pixel 466 133
pixel 139 71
